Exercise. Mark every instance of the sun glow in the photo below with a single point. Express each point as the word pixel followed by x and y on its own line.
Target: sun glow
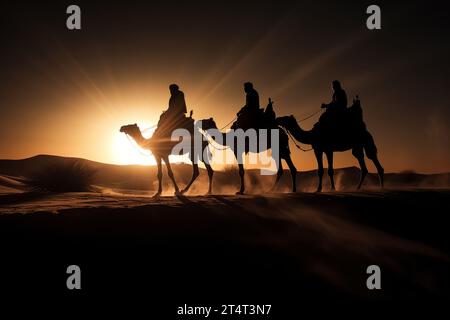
pixel 126 150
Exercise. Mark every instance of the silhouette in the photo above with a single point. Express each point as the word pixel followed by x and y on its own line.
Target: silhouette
pixel 284 153
pixel 251 98
pixel 339 99
pixel 177 104
pixel 352 136
pixel 250 115
pixel 175 115
pixel 161 144
pixel 161 149
pixel 331 120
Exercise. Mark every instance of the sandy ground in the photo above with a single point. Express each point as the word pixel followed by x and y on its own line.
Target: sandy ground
pixel 218 247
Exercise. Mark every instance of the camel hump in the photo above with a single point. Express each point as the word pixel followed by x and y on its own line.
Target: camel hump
pixel 348 123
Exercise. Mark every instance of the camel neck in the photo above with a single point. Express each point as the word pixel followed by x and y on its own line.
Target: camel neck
pixel 299 134
pixel 224 138
pixel 140 140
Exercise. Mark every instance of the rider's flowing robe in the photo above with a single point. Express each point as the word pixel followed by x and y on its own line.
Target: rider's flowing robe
pixel 177 104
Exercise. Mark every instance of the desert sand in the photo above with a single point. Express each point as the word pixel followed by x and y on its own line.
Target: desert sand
pixel 259 247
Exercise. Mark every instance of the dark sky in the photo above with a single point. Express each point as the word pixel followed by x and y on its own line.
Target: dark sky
pixel 67 92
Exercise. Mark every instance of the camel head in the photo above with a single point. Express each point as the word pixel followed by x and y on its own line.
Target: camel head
pixel 130 129
pixel 208 124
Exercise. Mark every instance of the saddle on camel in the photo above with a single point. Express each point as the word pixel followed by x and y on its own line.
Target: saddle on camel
pixel 339 122
pixel 251 116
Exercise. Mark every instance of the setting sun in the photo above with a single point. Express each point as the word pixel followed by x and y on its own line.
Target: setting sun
pixel 126 151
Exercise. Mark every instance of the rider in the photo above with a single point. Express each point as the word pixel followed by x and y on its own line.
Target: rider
pixel 251 98
pixel 177 104
pixel 250 112
pixel 339 99
pixel 331 119
pixel 174 116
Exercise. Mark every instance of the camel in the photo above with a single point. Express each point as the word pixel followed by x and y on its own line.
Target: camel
pixel 161 148
pixel 357 140
pixel 284 153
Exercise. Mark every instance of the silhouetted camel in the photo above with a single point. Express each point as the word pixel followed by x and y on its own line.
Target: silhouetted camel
pixel 284 153
pixel 359 141
pixel 161 148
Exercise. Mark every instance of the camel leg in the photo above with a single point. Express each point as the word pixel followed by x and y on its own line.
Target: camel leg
pixel 279 175
pixel 210 176
pixel 329 155
pixel 241 175
pixel 319 154
pixel 380 170
pixel 171 176
pixel 195 174
pixel 378 165
pixel 293 170
pixel 371 152
pixel 358 152
pixel 158 163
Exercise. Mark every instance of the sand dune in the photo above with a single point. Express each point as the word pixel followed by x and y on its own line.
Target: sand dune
pixel 135 177
pixel 195 247
pixel 10 184
pixel 317 245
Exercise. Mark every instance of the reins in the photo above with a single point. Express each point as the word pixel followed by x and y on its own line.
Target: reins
pixel 228 123
pixel 293 140
pixel 208 139
pixel 205 134
pixel 298 121
pixel 310 116
pixel 135 145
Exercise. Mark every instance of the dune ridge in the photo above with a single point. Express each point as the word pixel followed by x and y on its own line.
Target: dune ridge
pixel 14 174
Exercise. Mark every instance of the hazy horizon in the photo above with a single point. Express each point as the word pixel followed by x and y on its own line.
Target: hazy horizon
pixel 216 168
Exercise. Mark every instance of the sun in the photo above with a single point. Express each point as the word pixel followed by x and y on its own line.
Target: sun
pixel 125 151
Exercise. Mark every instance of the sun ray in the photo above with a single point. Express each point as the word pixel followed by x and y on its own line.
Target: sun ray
pixel 307 69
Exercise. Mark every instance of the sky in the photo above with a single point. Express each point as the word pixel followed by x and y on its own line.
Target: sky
pixel 68 92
